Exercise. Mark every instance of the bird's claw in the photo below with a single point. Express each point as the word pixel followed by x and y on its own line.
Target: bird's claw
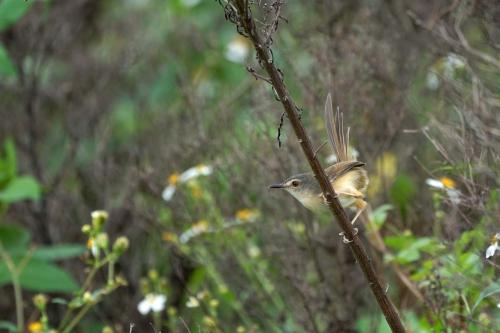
pixel 344 238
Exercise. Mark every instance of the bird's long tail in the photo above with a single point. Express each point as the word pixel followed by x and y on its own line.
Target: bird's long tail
pixel 335 128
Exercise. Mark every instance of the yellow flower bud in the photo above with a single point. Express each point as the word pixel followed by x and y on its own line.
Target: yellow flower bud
pixel 102 240
pixel 40 301
pixel 121 245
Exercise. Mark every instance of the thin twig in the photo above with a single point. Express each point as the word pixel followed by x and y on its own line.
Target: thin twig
pixel 240 14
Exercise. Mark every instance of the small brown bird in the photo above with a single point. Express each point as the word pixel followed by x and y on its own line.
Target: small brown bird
pixel 348 177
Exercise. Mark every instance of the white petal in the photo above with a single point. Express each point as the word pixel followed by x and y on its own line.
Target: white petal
pixel 189 174
pixel 158 303
pixel 144 306
pixel 205 170
pixel 432 81
pixel 168 193
pixel 192 302
pixel 434 183
pixel 454 195
pixel 490 251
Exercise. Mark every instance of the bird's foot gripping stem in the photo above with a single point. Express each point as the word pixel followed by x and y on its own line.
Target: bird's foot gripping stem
pixel 344 238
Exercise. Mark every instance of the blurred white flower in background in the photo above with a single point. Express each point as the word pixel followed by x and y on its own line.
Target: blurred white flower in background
pixel 237 50
pixel 332 158
pixel 432 80
pixel 196 229
pixel 192 302
pixel 490 251
pixel 176 178
pixel 446 184
pixel 152 302
pixel 194 172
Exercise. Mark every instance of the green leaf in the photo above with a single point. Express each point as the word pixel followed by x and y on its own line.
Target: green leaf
pixel 20 188
pixel 11 11
pixel 493 288
pixel 402 192
pixel 13 237
pixel 379 215
pixel 8 162
pixel 58 252
pixel 41 276
pixel 7 325
pixel 59 300
pixel 6 66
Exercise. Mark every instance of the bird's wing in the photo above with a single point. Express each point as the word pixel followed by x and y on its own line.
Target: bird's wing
pixel 338 169
pixel 335 128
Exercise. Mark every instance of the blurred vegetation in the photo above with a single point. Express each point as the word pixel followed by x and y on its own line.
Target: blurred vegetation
pixel 144 109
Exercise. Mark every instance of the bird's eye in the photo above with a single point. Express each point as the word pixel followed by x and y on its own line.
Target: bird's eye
pixel 295 183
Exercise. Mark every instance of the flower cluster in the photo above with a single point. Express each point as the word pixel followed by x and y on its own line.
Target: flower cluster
pixel 447 66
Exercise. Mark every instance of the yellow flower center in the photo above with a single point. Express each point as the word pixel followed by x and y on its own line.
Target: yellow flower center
pixel 35 327
pixel 173 179
pixel 246 214
pixel 90 243
pixel 201 225
pixel 447 182
pixel 169 237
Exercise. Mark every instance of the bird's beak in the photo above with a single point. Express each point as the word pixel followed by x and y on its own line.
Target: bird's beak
pixel 277 186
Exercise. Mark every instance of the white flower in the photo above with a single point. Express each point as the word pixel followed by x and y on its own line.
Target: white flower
pixel 192 302
pixel 195 230
pixel 490 251
pixel 168 192
pixel 448 185
pixel 434 183
pixel 237 50
pixel 432 80
pixel 191 173
pixel 199 170
pixel 99 214
pixel 152 302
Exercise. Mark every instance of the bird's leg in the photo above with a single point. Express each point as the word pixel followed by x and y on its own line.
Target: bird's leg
pixel 361 206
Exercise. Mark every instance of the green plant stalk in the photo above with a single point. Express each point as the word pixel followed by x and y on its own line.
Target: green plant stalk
pixel 86 283
pixel 77 318
pixel 18 297
pixel 111 272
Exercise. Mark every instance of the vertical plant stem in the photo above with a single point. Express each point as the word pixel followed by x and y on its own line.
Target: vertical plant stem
pixel 245 22
pixel 18 296
pixel 19 302
pixel 111 271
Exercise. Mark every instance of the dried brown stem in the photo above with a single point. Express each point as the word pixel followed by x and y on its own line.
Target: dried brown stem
pixel 241 15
